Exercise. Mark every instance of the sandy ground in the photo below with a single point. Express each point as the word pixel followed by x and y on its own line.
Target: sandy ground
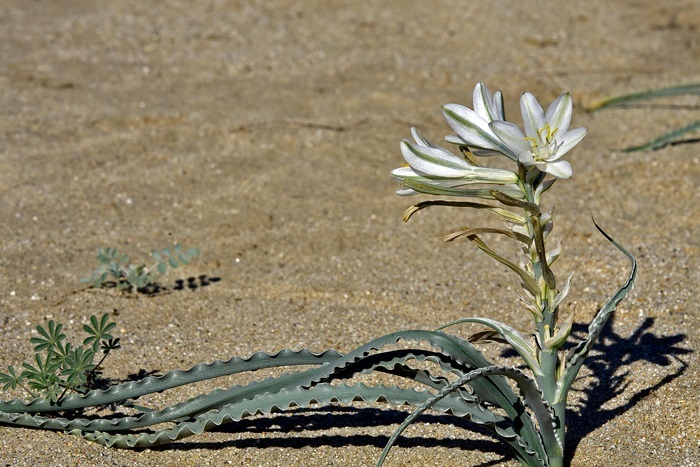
pixel 264 132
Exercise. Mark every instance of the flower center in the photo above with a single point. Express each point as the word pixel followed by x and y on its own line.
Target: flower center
pixel 544 146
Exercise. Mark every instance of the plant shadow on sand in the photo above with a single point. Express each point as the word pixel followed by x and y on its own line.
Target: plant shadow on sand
pixel 606 368
pixel 609 367
pixel 262 433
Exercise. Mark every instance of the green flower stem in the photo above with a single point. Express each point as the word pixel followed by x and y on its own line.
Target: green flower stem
pixel 549 357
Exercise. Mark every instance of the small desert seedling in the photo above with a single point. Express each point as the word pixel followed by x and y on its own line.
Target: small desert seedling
pixel 116 269
pixel 58 366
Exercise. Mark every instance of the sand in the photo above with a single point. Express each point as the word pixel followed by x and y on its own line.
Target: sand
pixel 264 132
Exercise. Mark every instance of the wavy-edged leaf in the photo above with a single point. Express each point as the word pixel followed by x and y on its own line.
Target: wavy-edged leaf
pixel 493 390
pixel 461 355
pixel 458 356
pixel 530 393
pixel 391 362
pixel 267 403
pixel 172 379
pixel 516 340
pixel 578 354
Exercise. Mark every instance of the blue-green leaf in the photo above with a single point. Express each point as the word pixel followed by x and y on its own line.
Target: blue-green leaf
pixel 579 353
pixel 519 343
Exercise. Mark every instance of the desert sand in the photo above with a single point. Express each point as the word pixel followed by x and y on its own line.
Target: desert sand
pixel 264 132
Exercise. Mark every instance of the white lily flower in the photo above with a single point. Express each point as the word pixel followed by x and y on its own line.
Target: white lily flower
pixel 437 171
pixel 547 136
pixel 472 126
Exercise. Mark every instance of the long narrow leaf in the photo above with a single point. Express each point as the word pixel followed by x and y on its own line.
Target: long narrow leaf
pixel 579 353
pixel 505 214
pixel 664 139
pixel 527 279
pixel 508 200
pixel 533 397
pixel 267 403
pixel 465 232
pixel 172 379
pixel 511 335
pixel 646 95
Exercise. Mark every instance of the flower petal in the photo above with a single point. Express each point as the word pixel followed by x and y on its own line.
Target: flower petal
pixel 436 162
pixel 406 192
pixel 469 126
pixel 533 115
pixel 510 134
pixel 483 102
pixel 403 172
pixel 560 169
pixel 498 106
pixel 420 140
pixel 473 129
pixel 526 158
pixel 558 114
pixel 568 140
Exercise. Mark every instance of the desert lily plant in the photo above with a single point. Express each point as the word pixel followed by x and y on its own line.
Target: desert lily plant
pixel 516 198
pixel 525 406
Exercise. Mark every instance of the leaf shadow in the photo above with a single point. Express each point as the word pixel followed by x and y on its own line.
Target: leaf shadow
pixel 609 376
pixel 273 432
pixel 193 283
pixel 157 289
pixel 606 378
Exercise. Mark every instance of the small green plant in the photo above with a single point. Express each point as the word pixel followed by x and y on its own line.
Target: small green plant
pixel 58 366
pixel 116 269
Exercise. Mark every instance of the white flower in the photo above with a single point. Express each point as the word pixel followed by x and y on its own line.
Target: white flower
pixel 472 126
pixel 546 138
pixel 435 170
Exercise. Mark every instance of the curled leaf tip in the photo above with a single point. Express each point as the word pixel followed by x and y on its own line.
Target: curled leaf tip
pixel 602 231
pixel 408 213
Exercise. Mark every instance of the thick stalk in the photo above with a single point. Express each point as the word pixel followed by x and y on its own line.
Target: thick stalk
pixel 549 357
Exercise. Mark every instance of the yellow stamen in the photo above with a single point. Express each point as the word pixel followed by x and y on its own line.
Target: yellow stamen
pixel 543 145
pixel 532 141
pixel 550 133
